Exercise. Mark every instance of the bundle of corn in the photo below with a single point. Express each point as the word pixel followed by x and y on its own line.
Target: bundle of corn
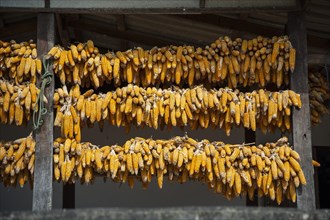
pixel 245 62
pixel 19 61
pixel 17 101
pixel 17 161
pixel 272 169
pixel 318 96
pixel 153 107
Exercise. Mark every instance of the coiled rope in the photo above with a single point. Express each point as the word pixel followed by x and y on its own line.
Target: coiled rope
pixel 40 110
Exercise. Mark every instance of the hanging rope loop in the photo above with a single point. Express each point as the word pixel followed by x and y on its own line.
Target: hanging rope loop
pixel 40 110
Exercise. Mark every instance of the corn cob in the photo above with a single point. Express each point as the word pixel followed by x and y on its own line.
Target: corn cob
pixel 219 62
pixel 153 107
pixel 17 161
pixel 212 162
pixel 19 61
pixel 318 96
pixel 203 161
pixel 16 102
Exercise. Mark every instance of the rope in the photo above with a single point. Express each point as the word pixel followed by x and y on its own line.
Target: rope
pixel 40 110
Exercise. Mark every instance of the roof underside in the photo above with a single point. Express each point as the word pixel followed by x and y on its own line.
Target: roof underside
pixel 115 31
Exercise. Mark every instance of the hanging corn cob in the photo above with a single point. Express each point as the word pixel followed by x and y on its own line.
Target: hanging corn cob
pixel 233 62
pixel 318 96
pixel 196 107
pixel 18 61
pixel 17 161
pixel 17 102
pixel 272 169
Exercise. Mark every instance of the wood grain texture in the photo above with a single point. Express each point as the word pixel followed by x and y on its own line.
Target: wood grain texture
pixel 43 174
pixel 147 6
pixel 301 124
pixel 178 213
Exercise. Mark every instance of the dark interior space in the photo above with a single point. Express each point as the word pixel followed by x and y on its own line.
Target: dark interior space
pixel 323 176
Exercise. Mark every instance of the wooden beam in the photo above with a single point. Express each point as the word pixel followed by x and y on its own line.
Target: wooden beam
pixel 47 3
pixel 146 6
pixel 244 16
pixel 22 4
pixel 236 24
pixel 121 26
pixel 18 28
pixel 43 171
pixel 248 27
pixel 202 3
pixel 229 4
pixel 315 41
pixel 114 32
pixel 63 34
pixel 301 124
pixel 2 24
pixel 324 10
pixel 318 59
pixel 196 212
pixel 75 34
pixel 121 22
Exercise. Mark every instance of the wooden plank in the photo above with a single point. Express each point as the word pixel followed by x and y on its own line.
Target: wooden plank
pixel 236 24
pixel 22 4
pixel 260 28
pixel 2 24
pixel 43 171
pixel 166 10
pixel 15 29
pixel 321 2
pixel 64 35
pixel 249 4
pixel 114 32
pixel 301 125
pixel 134 4
pixel 148 6
pixel 68 197
pixel 318 59
pixel 121 26
pixel 319 9
pixel 164 213
pixel 121 22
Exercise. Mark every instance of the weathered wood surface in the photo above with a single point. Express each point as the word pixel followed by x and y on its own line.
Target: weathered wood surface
pixel 320 59
pixel 146 6
pixel 301 124
pixel 246 213
pixel 43 171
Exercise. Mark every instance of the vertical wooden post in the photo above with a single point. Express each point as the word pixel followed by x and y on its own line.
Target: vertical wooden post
pixel 250 137
pixel 301 124
pixel 43 171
